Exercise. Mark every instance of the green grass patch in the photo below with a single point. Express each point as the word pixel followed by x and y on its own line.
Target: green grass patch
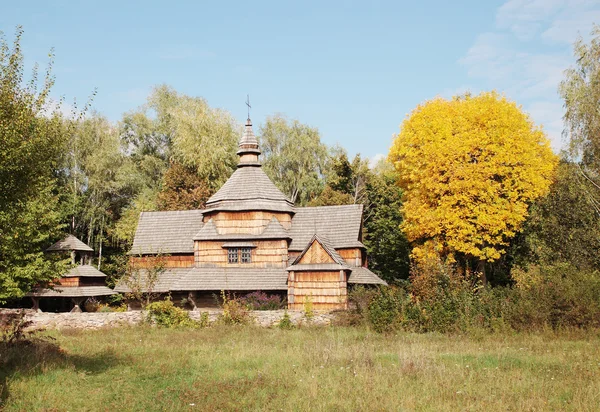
pixel 251 368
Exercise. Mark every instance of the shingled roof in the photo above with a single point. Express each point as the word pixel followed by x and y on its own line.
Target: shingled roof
pixel 249 188
pixel 167 232
pixel 69 243
pixel 84 271
pixel 339 224
pixel 72 292
pixel 248 142
pixel 163 284
pixel 365 276
pixel 219 278
pixel 340 263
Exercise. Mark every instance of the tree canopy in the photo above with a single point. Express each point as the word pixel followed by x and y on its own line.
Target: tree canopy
pixel 293 157
pixel 32 142
pixel 469 168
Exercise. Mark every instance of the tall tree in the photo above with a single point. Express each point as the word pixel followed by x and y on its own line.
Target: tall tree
pixel 581 93
pixel 469 167
pixel 376 189
pixel 32 143
pixel 183 189
pixel 387 246
pixel 563 227
pixel 294 157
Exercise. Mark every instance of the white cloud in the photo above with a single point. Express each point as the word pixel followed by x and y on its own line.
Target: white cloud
pixel 69 111
pixel 526 54
pixel 373 160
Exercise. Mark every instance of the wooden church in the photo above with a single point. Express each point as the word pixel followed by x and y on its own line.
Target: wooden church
pixel 251 237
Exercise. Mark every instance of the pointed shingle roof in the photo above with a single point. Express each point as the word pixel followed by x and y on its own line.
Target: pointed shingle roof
pixel 339 262
pixel 249 188
pixel 248 142
pixel 69 243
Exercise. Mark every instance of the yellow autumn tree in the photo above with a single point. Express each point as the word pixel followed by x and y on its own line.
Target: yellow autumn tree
pixel 469 168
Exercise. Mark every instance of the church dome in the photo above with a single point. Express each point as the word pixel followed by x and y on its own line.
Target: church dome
pixel 249 188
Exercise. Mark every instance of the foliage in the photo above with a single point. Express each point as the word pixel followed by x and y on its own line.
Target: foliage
pixel 443 300
pixel 164 313
pixel 124 229
pixel 235 311
pixel 377 190
pixel 580 91
pixel 387 246
pixel 563 227
pixel 385 308
pixel 261 301
pixel 309 311
pixel 32 138
pixel 285 322
pixel 183 189
pixel 293 157
pixel 14 328
pixel 469 168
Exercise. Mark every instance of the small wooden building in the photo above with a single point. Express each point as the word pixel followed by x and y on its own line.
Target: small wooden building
pixel 251 237
pixel 81 281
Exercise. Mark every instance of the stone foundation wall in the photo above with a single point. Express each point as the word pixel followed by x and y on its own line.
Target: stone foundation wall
pixel 98 320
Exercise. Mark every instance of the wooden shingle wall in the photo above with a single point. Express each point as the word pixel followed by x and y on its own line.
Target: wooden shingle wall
pixel 323 290
pixel 352 256
pixel 173 261
pixel 266 254
pixel 252 222
pixel 316 254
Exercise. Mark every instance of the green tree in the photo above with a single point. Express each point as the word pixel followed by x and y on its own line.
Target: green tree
pixel 294 157
pixel 32 145
pixel 563 227
pixel 377 189
pixel 183 189
pixel 387 246
pixel 581 93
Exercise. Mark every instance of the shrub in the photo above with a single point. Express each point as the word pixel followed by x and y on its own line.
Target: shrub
pixel 385 308
pixel 309 312
pixel 261 301
pixel 165 313
pixel 557 296
pixel 286 322
pixel 235 310
pixel 13 328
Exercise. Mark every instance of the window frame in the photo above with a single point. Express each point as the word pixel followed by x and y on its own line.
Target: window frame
pixel 233 255
pixel 245 255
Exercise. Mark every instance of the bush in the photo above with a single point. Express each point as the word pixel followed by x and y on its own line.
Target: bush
pixel 165 313
pixel 13 328
pixel 261 301
pixel 235 311
pixel 286 322
pixel 558 296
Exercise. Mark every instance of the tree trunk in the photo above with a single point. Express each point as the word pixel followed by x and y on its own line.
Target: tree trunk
pixel 480 270
pixel 100 248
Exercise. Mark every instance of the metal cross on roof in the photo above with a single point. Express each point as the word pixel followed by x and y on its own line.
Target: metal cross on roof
pixel 248 104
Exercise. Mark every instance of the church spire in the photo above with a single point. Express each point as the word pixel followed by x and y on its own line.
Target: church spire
pixel 248 146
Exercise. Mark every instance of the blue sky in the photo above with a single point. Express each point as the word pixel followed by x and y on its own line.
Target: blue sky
pixel 354 70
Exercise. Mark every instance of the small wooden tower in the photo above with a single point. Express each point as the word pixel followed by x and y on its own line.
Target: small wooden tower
pixel 81 281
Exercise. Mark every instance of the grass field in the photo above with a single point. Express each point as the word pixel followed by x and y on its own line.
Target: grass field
pixel 250 368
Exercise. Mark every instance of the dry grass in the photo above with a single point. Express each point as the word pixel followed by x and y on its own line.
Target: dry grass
pixel 249 368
